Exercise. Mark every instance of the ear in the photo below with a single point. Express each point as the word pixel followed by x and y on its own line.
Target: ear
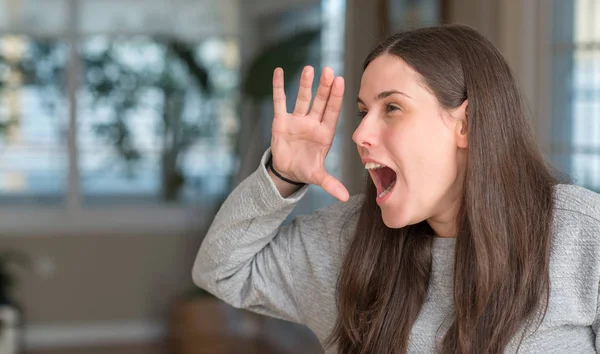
pixel 461 128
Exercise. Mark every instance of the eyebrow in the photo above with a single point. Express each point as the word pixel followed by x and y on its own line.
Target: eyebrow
pixel 385 94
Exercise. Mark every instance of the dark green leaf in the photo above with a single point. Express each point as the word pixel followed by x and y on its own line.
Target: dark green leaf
pixel 186 55
pixel 291 54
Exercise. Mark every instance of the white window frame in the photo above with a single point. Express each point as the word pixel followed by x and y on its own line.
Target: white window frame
pixel 73 218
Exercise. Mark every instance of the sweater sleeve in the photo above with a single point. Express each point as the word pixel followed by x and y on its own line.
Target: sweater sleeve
pixel 245 258
pixel 596 325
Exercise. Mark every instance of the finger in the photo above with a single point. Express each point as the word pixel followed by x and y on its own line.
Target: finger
pixel 305 91
pixel 334 187
pixel 279 105
pixel 334 105
pixel 322 92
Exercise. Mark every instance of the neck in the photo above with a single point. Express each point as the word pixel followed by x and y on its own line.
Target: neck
pixel 443 228
pixel 444 224
pixel 444 221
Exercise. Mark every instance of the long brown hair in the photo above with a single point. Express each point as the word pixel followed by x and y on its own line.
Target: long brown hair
pixel 501 276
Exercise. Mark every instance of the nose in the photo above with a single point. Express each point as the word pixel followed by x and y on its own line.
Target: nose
pixel 365 134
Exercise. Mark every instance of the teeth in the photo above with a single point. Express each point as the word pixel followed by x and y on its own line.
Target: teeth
pixel 387 190
pixel 373 166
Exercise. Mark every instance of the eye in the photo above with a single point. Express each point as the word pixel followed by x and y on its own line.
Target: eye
pixel 361 114
pixel 390 108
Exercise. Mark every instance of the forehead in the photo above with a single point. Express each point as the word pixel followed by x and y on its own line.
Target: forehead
pixel 389 72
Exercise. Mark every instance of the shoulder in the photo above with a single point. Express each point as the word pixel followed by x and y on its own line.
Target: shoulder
pixel 577 203
pixel 577 224
pixel 331 227
pixel 335 216
pixel 339 210
pixel 575 253
pixel 322 237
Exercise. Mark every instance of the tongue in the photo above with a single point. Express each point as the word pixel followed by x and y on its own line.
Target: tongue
pixel 386 177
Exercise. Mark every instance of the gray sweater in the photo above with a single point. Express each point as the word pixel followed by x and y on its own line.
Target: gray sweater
pixel 249 260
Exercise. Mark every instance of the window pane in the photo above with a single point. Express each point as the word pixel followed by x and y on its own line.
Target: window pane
pixel 576 91
pixel 33 117
pixel 585 21
pixel 585 119
pixel 156 118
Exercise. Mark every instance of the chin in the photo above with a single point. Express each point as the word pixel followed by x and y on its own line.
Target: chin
pixel 394 220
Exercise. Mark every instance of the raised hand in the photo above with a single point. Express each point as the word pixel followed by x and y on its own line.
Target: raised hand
pixel 301 140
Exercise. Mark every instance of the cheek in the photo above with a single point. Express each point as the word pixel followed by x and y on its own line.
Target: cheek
pixel 437 162
pixel 425 152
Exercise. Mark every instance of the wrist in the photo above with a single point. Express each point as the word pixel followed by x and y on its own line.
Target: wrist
pixel 285 189
pixel 278 175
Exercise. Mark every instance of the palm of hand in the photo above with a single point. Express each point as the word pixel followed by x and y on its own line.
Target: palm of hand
pixel 301 140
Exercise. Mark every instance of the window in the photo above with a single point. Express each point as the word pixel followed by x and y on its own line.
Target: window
pixel 33 119
pixel 147 127
pixel 116 115
pixel 277 29
pixel 575 147
pixel 332 54
pixel 155 98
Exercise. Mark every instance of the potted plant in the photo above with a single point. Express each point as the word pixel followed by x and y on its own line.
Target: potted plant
pixel 202 323
pixel 11 313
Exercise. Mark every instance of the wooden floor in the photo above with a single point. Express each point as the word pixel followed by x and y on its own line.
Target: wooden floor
pixel 163 348
pixel 149 348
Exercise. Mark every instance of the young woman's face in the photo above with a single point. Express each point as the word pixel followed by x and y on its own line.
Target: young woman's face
pixel 421 145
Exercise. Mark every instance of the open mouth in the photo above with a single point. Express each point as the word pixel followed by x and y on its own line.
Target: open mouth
pixel 383 177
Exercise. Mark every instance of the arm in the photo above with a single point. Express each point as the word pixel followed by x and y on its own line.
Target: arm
pixel 596 326
pixel 245 257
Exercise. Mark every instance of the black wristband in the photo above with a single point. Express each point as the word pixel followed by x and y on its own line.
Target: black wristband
pixel 270 167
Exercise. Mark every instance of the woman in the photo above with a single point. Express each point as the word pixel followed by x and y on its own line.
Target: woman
pixel 463 241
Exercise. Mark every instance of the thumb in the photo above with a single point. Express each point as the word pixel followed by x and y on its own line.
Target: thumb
pixel 334 187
